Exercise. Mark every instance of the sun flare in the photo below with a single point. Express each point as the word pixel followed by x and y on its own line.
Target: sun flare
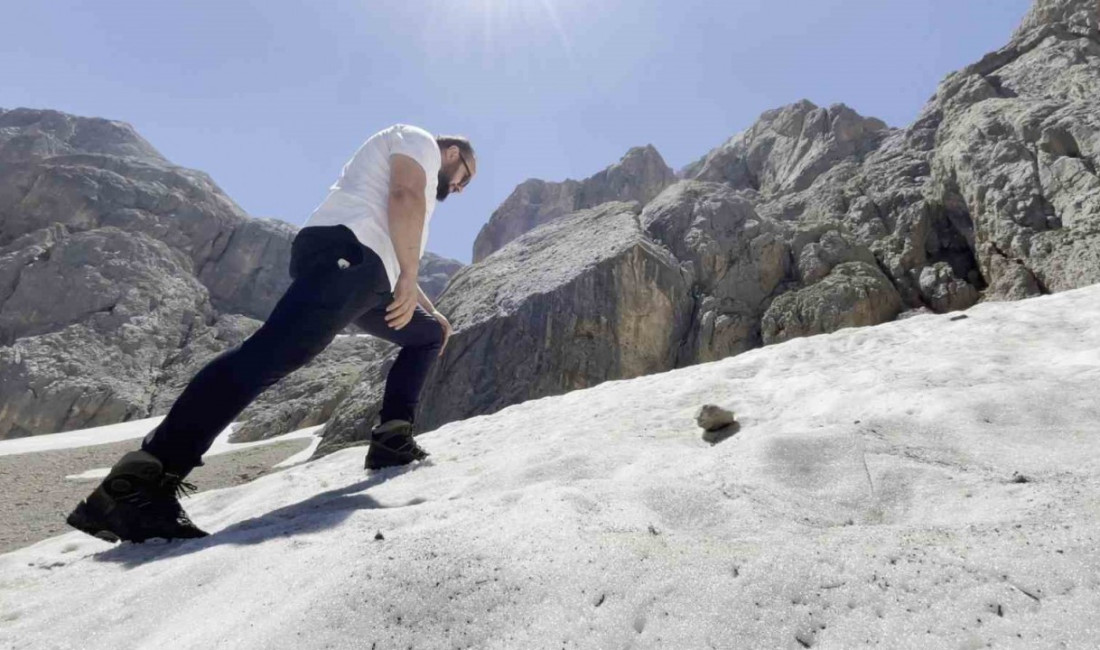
pixel 505 23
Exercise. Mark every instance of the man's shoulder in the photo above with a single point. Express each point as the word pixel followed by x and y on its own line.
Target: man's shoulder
pixel 409 131
pixel 412 128
pixel 416 143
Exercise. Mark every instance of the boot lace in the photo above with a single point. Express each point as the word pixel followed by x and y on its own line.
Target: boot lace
pixel 174 484
pixel 161 494
pixel 165 498
pixel 403 443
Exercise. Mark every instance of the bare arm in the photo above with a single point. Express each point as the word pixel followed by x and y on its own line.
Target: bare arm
pixel 406 211
pixel 423 300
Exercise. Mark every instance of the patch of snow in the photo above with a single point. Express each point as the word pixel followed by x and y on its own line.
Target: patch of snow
pixel 925 483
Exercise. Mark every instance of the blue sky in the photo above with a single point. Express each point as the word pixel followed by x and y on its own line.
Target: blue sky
pixel 271 97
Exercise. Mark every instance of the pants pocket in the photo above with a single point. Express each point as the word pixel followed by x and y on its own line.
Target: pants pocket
pixel 319 249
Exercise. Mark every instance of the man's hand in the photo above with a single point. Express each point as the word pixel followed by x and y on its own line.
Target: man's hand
pixel 446 329
pixel 400 311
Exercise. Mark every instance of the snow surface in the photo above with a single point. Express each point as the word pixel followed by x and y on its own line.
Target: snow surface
pixel 928 483
pixel 136 429
pixel 81 438
pixel 132 430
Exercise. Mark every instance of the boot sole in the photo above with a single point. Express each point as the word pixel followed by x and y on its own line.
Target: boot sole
pixel 85 521
pixel 383 463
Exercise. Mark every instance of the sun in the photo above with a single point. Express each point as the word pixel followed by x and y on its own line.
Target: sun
pixel 501 22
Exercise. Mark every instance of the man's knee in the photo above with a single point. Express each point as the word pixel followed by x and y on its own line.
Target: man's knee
pixel 435 341
pixel 428 332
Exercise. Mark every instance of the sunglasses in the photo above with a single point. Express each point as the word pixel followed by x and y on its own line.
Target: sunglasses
pixel 469 174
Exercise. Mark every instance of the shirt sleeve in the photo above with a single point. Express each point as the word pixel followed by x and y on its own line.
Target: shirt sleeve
pixel 419 145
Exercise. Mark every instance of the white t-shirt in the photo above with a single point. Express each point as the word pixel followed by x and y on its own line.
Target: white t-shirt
pixel 360 197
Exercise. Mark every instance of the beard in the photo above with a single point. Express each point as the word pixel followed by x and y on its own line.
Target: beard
pixel 443 186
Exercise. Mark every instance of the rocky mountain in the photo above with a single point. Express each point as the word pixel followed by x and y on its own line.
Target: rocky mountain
pixel 121 273
pixel 435 272
pixel 813 219
pixel 640 175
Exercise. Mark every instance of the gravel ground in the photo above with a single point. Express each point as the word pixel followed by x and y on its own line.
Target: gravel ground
pixel 36 497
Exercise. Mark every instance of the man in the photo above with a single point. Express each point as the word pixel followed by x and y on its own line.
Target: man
pixel 354 261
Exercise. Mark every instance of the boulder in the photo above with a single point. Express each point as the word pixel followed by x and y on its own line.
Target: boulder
pixel 92 319
pixel 578 301
pixel 854 294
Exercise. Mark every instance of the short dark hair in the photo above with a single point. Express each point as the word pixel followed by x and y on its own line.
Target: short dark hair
pixel 459 141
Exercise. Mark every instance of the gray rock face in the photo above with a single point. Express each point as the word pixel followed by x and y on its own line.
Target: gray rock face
pixel 788 148
pixel 852 295
pixel 734 261
pixel 639 176
pixel 758 278
pixel 27 134
pixel 36 134
pixel 106 247
pixel 435 272
pixel 98 277
pixel 92 319
pixel 1075 16
pixel 89 173
pixel 991 194
pixel 1018 142
pixel 533 203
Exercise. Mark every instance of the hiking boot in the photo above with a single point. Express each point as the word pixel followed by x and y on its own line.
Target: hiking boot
pixel 392 443
pixel 137 501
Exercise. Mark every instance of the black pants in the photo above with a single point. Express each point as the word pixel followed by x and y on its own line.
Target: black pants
pixel 321 301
